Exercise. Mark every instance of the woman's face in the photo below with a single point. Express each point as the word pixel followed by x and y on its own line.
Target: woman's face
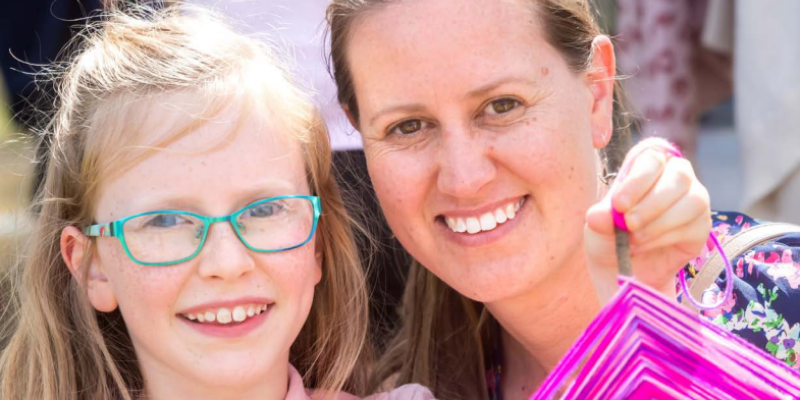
pixel 213 171
pixel 480 140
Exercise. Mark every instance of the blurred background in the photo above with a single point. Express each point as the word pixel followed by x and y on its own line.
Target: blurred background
pixel 717 77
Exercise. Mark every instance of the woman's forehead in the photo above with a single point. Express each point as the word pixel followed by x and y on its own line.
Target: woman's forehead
pixel 436 43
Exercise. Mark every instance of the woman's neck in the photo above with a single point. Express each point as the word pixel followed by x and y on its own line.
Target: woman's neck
pixel 539 326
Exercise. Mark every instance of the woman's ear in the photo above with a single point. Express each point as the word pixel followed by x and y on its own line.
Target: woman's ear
pixel 350 116
pixel 76 254
pixel 600 80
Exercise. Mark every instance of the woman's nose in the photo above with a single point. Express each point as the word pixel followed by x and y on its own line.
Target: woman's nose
pixel 224 256
pixel 465 163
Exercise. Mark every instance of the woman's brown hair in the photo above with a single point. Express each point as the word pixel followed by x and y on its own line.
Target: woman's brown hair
pixel 59 347
pixel 446 340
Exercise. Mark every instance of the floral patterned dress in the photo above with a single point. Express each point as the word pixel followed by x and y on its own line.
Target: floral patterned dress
pixel 765 307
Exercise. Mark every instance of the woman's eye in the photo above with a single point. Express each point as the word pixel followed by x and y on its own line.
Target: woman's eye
pixel 501 106
pixel 408 127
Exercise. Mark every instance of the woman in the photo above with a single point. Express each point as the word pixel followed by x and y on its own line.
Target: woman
pixel 484 124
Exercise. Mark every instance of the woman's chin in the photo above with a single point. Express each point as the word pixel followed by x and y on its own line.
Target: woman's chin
pixel 495 280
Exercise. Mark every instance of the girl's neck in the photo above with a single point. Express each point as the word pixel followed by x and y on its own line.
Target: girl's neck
pixel 539 326
pixel 165 385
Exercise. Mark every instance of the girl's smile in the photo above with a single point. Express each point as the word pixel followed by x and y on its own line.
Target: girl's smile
pixel 228 319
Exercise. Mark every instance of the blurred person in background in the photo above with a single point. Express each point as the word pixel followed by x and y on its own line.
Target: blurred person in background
pixel 767 113
pixel 674 73
pixel 684 57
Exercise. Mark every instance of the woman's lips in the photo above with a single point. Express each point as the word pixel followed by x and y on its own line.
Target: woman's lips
pixel 494 232
pixel 485 221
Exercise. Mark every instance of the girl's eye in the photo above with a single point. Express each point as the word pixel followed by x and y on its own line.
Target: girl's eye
pixel 264 210
pixel 408 127
pixel 501 106
pixel 165 221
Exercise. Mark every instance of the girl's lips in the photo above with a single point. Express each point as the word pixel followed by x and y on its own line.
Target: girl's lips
pixel 201 308
pixel 230 330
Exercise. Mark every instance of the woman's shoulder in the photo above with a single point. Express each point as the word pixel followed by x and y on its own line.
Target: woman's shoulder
pixel 405 392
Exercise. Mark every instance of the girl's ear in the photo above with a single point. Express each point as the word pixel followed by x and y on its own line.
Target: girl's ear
pixel 74 246
pixel 600 79
pixel 318 270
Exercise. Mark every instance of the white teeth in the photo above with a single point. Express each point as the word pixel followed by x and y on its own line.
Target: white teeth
pixel 239 314
pixel 210 317
pixel 511 211
pixel 485 222
pixel 224 316
pixel 461 226
pixel 488 222
pixel 473 226
pixel 500 216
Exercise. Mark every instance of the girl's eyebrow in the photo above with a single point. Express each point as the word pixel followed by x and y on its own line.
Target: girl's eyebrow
pixel 239 198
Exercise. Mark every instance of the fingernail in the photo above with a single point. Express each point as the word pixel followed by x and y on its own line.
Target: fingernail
pixel 623 202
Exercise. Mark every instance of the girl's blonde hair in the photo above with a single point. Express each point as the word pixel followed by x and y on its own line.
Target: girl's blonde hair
pixel 59 347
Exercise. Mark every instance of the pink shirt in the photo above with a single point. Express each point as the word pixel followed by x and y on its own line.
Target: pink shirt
pixel 406 392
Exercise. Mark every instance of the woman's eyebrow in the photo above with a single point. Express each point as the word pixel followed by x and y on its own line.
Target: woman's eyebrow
pixel 406 108
pixel 482 90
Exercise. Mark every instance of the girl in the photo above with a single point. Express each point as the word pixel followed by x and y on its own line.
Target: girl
pixel 191 240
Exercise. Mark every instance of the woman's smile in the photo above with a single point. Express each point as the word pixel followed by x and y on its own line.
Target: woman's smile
pixel 483 225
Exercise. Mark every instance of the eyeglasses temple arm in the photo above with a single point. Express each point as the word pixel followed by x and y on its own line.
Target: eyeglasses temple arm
pixel 99 230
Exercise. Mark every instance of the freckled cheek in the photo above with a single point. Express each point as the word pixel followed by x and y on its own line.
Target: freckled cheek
pixel 400 182
pixel 138 287
pixel 294 274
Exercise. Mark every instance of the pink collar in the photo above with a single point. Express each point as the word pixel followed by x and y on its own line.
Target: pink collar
pixel 296 390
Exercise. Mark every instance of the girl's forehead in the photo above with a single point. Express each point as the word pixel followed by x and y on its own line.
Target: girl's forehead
pixel 210 161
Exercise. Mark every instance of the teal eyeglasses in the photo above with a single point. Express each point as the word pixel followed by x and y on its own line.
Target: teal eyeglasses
pixel 159 238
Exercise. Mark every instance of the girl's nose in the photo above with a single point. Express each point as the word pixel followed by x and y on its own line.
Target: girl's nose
pixel 224 256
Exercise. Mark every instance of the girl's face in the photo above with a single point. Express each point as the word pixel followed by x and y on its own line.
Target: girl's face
pixel 212 172
pixel 480 140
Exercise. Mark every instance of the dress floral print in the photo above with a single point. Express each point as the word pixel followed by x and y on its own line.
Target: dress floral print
pixel 765 307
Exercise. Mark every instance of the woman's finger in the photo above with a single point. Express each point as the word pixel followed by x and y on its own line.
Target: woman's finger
pixel 674 184
pixel 645 170
pixel 694 231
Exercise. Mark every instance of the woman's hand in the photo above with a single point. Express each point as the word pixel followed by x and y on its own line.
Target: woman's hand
pixel 667 211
